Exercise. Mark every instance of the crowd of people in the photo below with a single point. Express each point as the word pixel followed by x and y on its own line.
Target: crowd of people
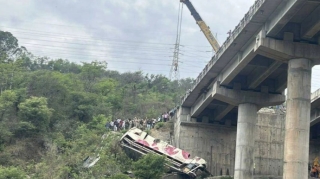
pixel 144 124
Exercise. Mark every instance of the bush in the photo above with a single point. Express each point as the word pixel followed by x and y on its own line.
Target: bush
pixel 119 176
pixel 11 173
pixel 150 166
pixel 159 125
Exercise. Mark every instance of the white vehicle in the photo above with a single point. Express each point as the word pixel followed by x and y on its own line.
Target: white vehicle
pixel 179 160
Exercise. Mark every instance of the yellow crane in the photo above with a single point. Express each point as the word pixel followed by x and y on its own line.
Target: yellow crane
pixel 203 26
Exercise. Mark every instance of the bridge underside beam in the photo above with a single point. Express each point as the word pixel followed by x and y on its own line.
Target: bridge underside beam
pixel 202 102
pixel 237 64
pixel 264 62
pixel 285 50
pixel 281 83
pixel 236 97
pixel 311 25
pixel 255 79
pixel 278 50
pixel 284 14
pixel 221 113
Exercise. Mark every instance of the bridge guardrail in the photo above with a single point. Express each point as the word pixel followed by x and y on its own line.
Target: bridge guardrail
pixel 315 95
pixel 243 22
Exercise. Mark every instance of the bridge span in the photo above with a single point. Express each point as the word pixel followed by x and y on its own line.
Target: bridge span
pixel 274 47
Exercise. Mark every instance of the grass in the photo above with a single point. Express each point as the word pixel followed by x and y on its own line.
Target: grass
pixel 159 125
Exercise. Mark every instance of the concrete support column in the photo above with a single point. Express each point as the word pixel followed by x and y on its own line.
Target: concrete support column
pixel 183 115
pixel 247 115
pixel 296 144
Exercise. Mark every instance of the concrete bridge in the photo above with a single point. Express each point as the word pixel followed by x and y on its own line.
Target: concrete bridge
pixel 274 47
pixel 216 142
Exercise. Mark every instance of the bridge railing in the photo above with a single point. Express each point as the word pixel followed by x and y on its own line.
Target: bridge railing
pixel 233 35
pixel 315 95
pixel 314 115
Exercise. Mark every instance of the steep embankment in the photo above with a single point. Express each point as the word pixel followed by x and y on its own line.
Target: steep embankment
pixel 163 131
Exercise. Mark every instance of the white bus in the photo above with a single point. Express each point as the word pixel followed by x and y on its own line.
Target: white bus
pixel 179 160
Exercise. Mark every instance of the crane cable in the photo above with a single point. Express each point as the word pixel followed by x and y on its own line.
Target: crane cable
pixel 179 23
pixel 175 61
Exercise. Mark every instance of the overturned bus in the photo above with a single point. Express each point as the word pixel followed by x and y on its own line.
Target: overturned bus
pixel 179 160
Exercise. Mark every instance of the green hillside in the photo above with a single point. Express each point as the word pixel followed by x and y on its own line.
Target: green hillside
pixel 53 112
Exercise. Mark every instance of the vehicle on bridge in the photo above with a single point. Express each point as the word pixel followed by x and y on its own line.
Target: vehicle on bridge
pixel 178 160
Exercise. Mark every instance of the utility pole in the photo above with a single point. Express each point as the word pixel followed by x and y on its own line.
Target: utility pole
pixel 174 72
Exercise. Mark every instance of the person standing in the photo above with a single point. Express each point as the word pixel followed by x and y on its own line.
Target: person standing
pixel 153 122
pixel 115 126
pixel 149 123
pixel 111 124
pixel 166 116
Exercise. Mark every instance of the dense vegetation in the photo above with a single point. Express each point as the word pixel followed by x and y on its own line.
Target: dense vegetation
pixel 52 112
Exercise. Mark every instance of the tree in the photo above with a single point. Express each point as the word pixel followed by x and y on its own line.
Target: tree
pixel 63 66
pixel 150 166
pixel 106 86
pixel 8 45
pixel 7 100
pixel 83 105
pixel 36 111
pixel 73 104
pixel 91 72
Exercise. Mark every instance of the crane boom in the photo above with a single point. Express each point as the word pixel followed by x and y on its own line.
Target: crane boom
pixel 203 26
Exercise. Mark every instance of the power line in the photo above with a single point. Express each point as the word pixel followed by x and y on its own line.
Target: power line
pixel 58 50
pixel 123 46
pixel 30 22
pixel 111 59
pixel 86 37
pixel 66 51
pixel 103 45
pixel 103 50
pixel 189 71
pixel 115 69
pixel 68 55
pixel 60 47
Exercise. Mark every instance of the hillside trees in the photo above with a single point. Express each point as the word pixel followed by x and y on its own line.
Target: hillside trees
pixel 8 46
pixel 53 112
pixel 36 111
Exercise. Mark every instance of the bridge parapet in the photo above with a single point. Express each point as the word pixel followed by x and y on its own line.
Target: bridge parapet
pixel 314 117
pixel 315 95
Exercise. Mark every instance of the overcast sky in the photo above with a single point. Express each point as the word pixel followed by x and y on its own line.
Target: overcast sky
pixel 130 35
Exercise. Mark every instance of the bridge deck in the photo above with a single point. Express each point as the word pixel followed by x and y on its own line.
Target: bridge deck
pixel 243 33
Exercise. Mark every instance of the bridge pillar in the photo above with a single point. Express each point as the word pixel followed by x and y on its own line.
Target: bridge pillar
pixel 297 128
pixel 247 115
pixel 248 102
